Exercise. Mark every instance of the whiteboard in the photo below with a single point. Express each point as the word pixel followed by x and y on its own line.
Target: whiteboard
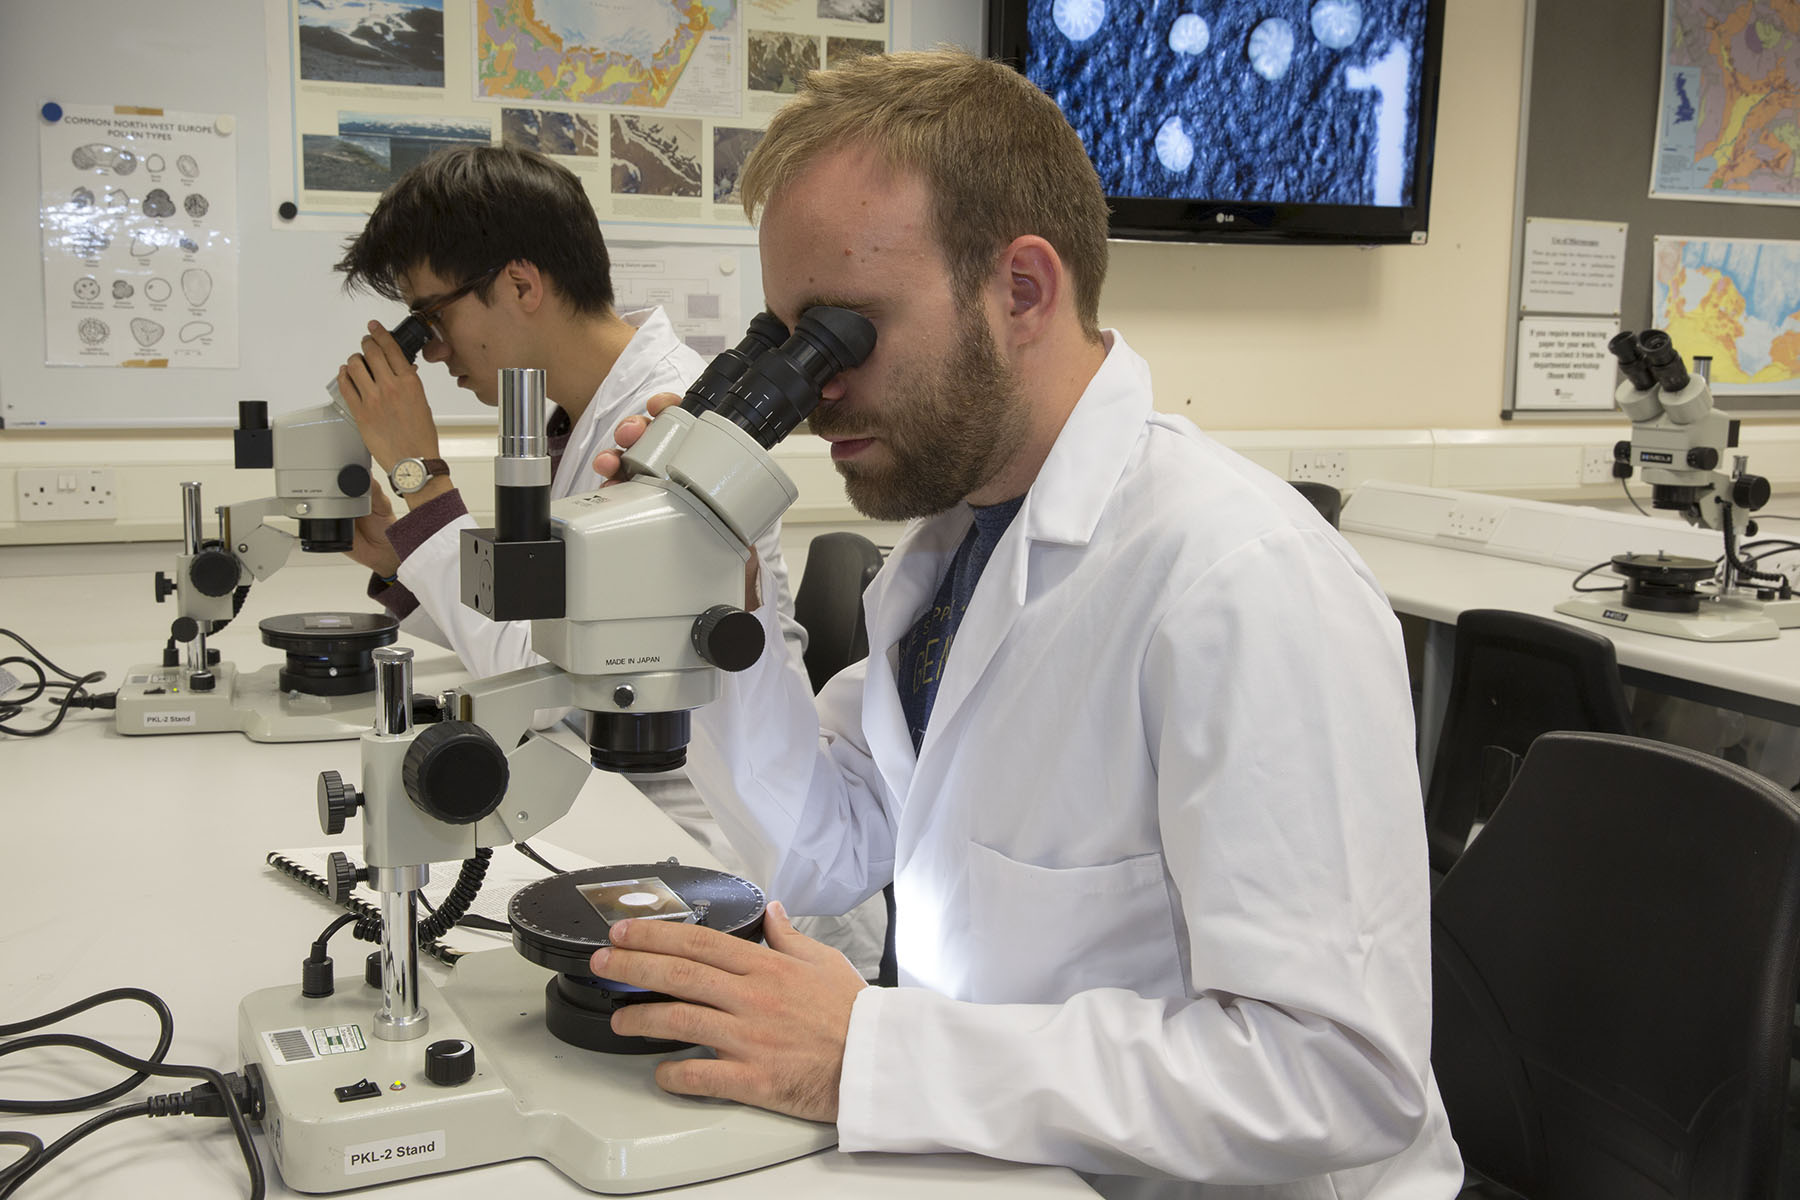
pixel 296 323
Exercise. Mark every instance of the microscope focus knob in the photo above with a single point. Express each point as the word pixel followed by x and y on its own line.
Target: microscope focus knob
pixel 728 638
pixel 213 571
pixel 353 480
pixel 342 876
pixel 1703 458
pixel 1750 492
pixel 337 800
pixel 450 1062
pixel 165 587
pixel 456 772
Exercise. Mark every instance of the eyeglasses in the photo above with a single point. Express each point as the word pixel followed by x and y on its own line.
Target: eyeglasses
pixel 429 312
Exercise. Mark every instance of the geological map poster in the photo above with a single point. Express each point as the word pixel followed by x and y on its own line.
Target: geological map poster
pixel 654 104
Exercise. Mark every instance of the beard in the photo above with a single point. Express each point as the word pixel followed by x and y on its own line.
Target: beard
pixel 948 427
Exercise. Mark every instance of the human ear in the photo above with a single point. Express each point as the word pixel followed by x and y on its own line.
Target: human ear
pixel 1033 284
pixel 525 283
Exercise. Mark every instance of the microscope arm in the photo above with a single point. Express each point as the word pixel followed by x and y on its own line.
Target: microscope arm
pixel 260 547
pixel 544 775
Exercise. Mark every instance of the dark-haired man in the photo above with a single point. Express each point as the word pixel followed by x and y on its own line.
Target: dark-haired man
pixel 499 251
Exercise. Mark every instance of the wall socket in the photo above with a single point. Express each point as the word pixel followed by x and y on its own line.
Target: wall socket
pixel 1472 520
pixel 68 494
pixel 1324 466
pixel 1596 464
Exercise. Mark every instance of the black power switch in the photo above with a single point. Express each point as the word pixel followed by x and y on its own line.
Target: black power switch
pixel 362 1089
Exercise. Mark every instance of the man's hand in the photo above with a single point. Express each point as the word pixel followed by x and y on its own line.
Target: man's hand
pixel 370 546
pixel 777 1016
pixel 606 463
pixel 387 401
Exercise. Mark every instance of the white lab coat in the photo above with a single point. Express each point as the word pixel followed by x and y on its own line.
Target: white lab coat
pixel 653 361
pixel 1160 861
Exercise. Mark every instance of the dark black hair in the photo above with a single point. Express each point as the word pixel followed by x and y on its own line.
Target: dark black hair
pixel 467 210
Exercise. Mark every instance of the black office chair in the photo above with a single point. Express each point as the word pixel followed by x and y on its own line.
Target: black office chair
pixel 1514 676
pixel 1613 965
pixel 828 602
pixel 1322 496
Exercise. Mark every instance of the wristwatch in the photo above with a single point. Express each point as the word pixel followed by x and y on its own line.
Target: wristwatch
pixel 411 474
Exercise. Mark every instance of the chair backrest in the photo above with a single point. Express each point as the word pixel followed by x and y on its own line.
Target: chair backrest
pixel 1322 496
pixel 1613 968
pixel 828 602
pixel 1514 676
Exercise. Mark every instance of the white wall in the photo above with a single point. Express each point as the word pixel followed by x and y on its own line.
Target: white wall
pixel 1393 355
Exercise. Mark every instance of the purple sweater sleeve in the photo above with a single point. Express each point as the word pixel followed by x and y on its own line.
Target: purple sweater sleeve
pixel 408 534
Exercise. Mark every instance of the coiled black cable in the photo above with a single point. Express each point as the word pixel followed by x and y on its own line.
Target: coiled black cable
pixel 462 895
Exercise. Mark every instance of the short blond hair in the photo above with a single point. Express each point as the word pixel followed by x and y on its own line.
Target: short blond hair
pixel 998 156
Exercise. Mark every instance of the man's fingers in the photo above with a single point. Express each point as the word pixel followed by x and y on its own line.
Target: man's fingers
pixel 606 465
pixel 661 401
pixel 630 430
pixel 783 937
pixel 713 1077
pixel 355 374
pixel 694 1023
pixel 713 947
pixel 666 973
pixel 380 341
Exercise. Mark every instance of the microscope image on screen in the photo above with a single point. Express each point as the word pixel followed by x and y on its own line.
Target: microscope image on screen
pixel 1313 104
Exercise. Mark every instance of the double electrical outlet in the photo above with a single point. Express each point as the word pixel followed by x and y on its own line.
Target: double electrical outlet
pixel 68 494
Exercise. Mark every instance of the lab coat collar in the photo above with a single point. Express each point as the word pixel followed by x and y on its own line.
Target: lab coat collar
pixel 1084 465
pixel 647 347
pixel 1063 506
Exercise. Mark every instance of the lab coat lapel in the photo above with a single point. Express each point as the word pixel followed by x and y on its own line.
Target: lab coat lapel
pixel 894 600
pixel 1062 507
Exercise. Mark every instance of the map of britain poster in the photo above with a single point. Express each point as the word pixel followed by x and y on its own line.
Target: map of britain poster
pixel 1729 119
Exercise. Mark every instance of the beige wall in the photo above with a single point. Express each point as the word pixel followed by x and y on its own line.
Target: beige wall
pixel 1392 337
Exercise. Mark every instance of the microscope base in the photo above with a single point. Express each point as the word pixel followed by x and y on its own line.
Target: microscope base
pixel 156 699
pixel 598 1118
pixel 1731 619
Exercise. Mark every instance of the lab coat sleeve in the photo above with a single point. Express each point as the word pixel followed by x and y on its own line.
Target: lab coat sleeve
pixel 1277 712
pixel 791 781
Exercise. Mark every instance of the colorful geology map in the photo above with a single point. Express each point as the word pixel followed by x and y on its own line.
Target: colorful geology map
pixel 1737 301
pixel 622 52
pixel 1729 126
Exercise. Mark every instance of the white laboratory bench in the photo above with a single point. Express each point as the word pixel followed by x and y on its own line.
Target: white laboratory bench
pixel 140 861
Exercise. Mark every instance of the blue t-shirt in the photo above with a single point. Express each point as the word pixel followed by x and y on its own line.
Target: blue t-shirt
pixel 926 647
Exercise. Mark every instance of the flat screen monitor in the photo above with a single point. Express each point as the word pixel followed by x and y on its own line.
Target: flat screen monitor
pixel 1243 120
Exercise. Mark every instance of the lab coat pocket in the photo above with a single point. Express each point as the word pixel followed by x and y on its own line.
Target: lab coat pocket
pixel 1046 933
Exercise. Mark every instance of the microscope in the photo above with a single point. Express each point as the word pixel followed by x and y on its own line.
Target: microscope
pixel 1678 444
pixel 322 692
pixel 635 596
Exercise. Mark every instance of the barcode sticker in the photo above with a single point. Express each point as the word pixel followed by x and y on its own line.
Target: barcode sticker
pixel 289 1045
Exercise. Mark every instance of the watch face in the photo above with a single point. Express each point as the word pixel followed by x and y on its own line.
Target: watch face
pixel 409 475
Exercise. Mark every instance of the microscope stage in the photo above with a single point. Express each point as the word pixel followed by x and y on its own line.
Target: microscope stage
pixel 598 1118
pixel 156 699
